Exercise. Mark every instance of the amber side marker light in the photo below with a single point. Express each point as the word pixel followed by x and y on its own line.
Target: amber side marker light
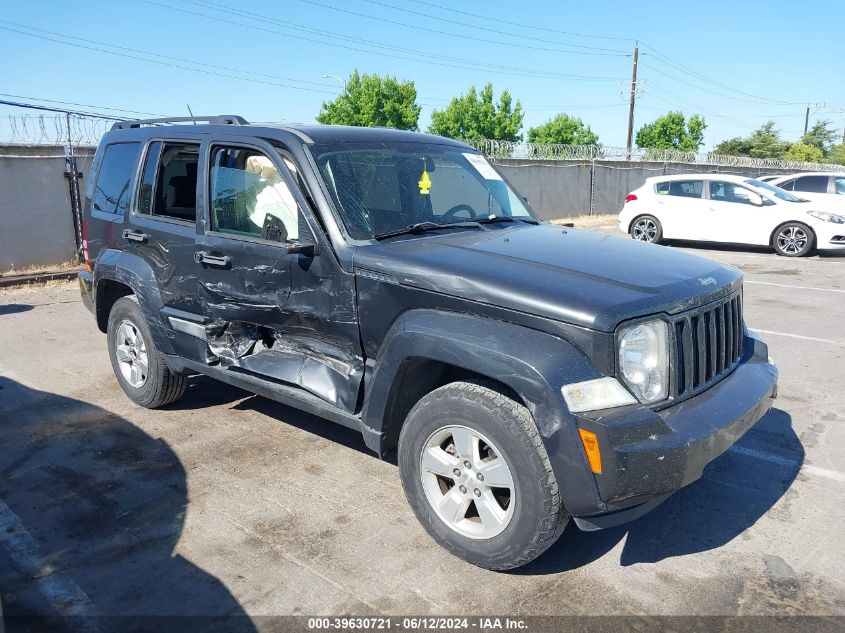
pixel 591 447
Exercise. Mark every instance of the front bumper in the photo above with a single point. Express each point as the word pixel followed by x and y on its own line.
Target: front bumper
pixel 829 236
pixel 647 454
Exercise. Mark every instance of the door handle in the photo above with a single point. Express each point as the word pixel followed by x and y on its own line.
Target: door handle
pixel 204 257
pixel 134 236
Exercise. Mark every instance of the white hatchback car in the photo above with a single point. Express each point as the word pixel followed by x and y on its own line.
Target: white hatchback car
pixel 730 209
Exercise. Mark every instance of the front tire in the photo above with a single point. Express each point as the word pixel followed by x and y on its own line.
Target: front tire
pixel 647 228
pixel 476 473
pixel 794 239
pixel 139 367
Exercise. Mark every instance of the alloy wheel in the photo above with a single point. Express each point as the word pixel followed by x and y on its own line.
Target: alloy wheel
pixel 645 230
pixel 467 481
pixel 792 240
pixel 131 352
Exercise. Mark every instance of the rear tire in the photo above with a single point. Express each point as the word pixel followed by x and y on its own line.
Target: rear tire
pixel 794 239
pixel 647 228
pixel 493 526
pixel 139 367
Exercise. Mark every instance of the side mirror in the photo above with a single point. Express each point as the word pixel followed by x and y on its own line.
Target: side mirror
pixel 755 198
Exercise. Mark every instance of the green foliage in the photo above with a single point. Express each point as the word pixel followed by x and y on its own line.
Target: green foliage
pixel 374 101
pixel 764 142
pixel 672 131
pixel 475 116
pixel 837 154
pixel 563 130
pixel 804 152
pixel 821 136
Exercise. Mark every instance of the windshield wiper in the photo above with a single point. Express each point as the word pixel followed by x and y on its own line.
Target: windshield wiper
pixel 505 218
pixel 421 227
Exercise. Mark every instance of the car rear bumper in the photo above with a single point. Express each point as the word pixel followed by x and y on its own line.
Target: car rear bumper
pixel 86 288
pixel 646 454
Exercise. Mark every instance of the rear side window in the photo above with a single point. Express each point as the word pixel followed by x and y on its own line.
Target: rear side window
pixel 788 185
pixel 681 188
pixel 811 184
pixel 169 181
pixel 112 192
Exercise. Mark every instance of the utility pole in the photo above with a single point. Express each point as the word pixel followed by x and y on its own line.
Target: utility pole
pixel 633 100
pixel 813 106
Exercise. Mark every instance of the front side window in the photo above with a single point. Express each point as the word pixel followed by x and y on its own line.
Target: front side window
pixel 839 183
pixel 249 198
pixel 811 184
pixel 379 187
pixel 112 194
pixel 729 192
pixel 680 188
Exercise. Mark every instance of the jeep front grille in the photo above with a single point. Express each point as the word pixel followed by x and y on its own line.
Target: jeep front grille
pixel 708 345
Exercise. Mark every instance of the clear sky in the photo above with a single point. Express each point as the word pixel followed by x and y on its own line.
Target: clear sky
pixel 738 64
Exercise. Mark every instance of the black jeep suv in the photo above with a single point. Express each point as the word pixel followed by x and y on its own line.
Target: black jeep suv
pixel 521 373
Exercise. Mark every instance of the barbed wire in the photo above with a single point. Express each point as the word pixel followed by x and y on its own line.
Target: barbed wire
pixel 53 129
pixel 543 151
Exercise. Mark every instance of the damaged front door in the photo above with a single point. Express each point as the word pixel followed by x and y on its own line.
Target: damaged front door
pixel 259 258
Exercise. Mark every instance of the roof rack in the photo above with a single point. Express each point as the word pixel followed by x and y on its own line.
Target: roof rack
pixel 218 119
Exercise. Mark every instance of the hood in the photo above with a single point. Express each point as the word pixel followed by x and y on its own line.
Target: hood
pixel 579 277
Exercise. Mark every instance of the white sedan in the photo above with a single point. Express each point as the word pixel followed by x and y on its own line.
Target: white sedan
pixel 822 187
pixel 730 209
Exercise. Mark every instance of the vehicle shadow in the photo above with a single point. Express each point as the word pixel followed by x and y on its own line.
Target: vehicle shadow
pixel 92 508
pixel 735 491
pixel 746 248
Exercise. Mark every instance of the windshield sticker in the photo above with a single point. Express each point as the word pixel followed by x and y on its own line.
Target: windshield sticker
pixel 482 166
pixel 424 182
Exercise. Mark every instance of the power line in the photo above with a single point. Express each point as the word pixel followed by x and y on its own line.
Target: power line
pixel 159 55
pixel 508 22
pixel 413 55
pixel 84 105
pixel 591 50
pixel 669 61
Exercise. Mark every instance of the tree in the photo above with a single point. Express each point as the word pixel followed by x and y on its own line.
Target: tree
pixel 764 142
pixel 804 152
pixel 821 135
pixel 475 116
pixel 672 131
pixel 371 101
pixel 563 130
pixel 837 154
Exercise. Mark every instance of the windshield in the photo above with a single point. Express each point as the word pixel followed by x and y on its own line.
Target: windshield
pixel 775 191
pixel 381 187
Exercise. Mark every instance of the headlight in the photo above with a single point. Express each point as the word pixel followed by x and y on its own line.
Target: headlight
pixel 644 360
pixel 827 217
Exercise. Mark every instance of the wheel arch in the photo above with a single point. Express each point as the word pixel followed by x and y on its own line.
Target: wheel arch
pixel 783 224
pixel 428 348
pixel 118 274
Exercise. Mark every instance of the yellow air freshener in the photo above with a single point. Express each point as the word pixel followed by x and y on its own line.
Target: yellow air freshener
pixel 425 182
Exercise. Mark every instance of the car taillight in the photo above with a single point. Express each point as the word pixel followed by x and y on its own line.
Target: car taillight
pixel 630 197
pixel 85 256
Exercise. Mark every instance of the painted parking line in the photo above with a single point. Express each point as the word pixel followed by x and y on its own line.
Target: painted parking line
pixel 772 458
pixel 769 283
pixel 800 337
pixel 63 594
